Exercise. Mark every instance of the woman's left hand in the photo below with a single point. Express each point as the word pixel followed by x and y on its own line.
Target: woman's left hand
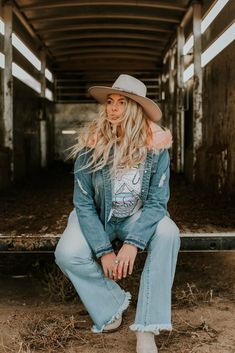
pixel 126 257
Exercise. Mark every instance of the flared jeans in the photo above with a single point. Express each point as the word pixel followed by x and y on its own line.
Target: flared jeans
pixel 103 298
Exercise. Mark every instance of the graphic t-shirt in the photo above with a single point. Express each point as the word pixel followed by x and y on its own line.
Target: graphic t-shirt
pixel 126 192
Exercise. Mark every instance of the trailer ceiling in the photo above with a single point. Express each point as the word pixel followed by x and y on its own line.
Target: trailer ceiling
pixel 94 41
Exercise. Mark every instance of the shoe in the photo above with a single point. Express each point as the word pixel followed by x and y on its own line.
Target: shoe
pixel 145 342
pixel 113 326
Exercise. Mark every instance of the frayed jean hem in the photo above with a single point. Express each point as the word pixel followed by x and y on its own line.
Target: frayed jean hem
pixel 151 328
pixel 123 307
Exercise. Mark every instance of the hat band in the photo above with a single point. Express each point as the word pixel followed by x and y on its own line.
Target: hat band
pixel 127 91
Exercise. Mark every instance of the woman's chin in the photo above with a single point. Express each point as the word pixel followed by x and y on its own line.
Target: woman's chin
pixel 114 119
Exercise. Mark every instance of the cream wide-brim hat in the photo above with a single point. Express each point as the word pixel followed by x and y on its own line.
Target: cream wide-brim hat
pixel 130 87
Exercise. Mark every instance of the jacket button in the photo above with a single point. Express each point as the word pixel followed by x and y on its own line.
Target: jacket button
pixel 145 171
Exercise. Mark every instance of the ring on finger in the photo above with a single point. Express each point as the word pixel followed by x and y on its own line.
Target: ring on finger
pixel 117 261
pixel 110 273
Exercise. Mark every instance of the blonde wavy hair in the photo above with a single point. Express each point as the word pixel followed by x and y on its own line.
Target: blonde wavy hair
pixel 126 139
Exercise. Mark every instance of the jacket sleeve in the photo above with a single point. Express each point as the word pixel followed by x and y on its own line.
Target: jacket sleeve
pixel 88 218
pixel 155 207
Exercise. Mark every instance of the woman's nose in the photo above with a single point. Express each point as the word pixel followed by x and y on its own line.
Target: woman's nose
pixel 114 106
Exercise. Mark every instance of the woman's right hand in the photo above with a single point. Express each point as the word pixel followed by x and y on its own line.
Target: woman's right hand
pixel 109 266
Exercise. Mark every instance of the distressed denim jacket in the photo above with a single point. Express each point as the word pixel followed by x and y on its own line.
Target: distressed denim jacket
pixel 92 200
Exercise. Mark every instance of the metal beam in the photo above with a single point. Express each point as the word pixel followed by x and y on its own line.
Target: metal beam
pixel 86 46
pixel 109 42
pixel 208 241
pixel 197 84
pixel 186 17
pixel 43 121
pixel 180 102
pixel 111 50
pixel 102 16
pixel 93 72
pixel 32 243
pixel 115 55
pixel 46 32
pixel 76 94
pixel 82 87
pixel 8 87
pixel 97 36
pixel 75 3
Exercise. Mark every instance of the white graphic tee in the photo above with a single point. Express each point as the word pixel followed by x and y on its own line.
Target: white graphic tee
pixel 126 192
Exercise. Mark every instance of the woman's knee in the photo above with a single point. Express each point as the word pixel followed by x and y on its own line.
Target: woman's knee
pixel 66 257
pixel 168 230
pixel 72 247
pixel 64 254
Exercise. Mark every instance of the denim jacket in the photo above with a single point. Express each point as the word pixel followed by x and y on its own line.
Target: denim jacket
pixel 92 200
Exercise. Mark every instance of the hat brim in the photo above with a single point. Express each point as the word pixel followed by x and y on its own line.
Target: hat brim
pixel 150 108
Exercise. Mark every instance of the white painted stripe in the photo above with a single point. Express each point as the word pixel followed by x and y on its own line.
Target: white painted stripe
pixel 2 60
pixel 188 73
pixel 218 45
pixel 26 52
pixel 49 75
pixel 2 27
pixel 23 76
pixel 206 21
pixel 49 94
pixel 212 14
pixel 188 45
pixel 226 38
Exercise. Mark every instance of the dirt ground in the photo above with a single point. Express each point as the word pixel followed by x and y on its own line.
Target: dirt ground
pixel 40 312
pixel 35 318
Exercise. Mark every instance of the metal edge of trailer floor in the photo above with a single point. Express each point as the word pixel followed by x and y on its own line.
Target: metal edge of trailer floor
pixel 29 243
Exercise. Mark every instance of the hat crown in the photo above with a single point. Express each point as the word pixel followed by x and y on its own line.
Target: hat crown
pixel 130 84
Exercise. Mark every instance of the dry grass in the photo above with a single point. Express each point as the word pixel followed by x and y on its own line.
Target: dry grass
pixel 191 296
pixel 56 285
pixel 187 337
pixel 50 332
pixel 53 333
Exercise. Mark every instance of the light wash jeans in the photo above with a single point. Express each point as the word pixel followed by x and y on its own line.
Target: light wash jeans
pixel 102 297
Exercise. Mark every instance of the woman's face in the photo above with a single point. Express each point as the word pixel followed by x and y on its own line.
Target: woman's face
pixel 115 107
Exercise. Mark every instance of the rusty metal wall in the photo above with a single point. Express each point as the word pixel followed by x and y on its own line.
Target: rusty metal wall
pixel 26 125
pixel 214 168
pixel 216 160
pixel 26 130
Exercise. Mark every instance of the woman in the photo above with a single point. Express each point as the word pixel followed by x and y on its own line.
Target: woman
pixel 121 189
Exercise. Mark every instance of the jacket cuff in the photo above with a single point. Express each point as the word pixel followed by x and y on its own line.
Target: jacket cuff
pixel 103 250
pixel 139 243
